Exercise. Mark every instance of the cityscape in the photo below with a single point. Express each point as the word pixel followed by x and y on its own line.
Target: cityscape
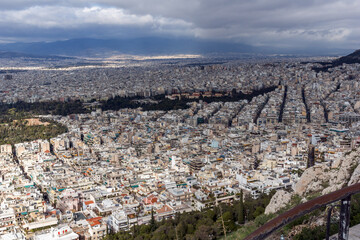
pixel 114 144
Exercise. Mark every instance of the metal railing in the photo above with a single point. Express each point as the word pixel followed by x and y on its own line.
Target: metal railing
pixel 343 195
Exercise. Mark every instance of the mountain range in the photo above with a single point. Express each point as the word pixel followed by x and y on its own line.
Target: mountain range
pixel 138 46
pixel 91 47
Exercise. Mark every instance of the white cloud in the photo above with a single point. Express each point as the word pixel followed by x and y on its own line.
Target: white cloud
pixel 70 17
pixel 113 16
pixel 261 22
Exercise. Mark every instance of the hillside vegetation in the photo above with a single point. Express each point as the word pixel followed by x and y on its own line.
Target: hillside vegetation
pixel 199 225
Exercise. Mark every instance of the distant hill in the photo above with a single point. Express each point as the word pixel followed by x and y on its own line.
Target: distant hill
pixel 17 54
pixel 138 46
pixel 349 59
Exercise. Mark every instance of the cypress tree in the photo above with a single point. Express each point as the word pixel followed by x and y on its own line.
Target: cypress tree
pixel 241 217
pixel 152 221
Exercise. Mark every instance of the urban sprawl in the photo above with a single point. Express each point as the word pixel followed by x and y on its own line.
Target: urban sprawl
pixel 115 169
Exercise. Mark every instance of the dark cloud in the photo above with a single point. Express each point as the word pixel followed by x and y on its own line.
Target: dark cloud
pixel 259 22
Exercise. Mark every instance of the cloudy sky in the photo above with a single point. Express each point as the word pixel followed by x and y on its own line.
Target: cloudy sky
pixel 278 23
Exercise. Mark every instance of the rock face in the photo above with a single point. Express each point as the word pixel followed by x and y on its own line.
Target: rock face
pixel 321 178
pixel 325 179
pixel 312 180
pixel 355 178
pixel 278 201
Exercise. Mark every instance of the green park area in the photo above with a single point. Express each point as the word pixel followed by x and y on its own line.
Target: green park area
pixel 19 126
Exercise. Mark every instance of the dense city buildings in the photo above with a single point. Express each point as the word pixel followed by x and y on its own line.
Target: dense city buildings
pixel 115 169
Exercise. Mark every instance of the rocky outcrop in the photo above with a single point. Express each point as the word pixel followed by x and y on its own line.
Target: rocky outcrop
pixel 278 201
pixel 341 176
pixel 355 178
pixel 324 179
pixel 336 179
pixel 321 179
pixel 318 180
pixel 312 180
